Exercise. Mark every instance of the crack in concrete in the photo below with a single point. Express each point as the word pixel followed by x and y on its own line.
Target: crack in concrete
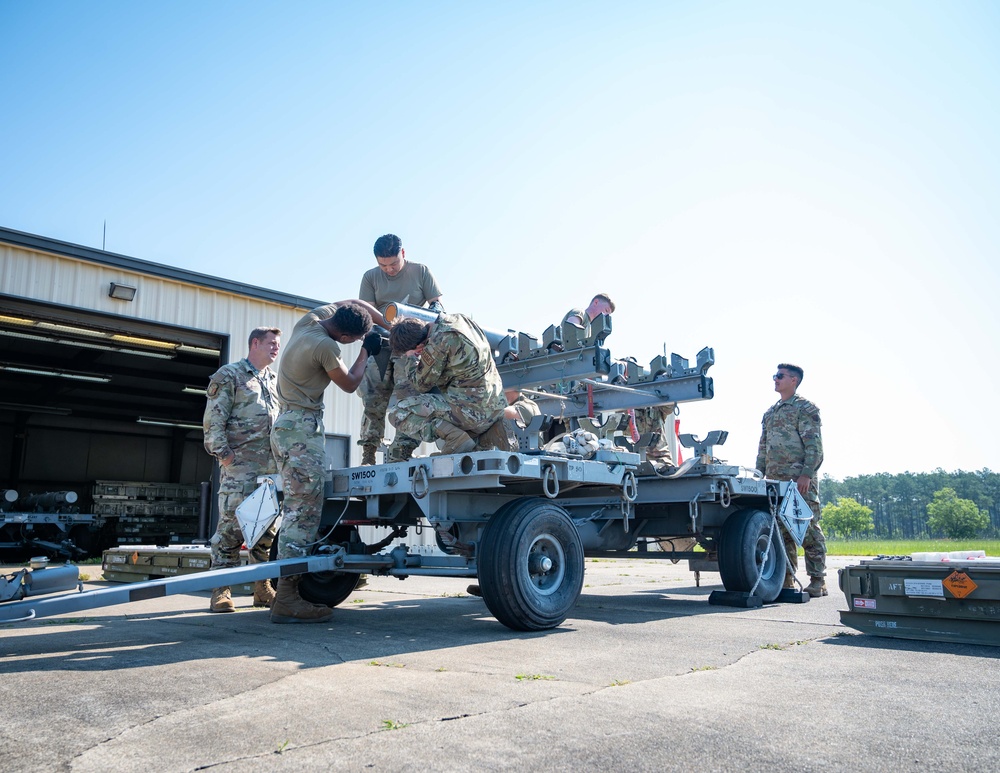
pixel 291 749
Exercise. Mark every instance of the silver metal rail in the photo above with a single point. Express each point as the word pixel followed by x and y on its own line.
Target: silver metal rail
pixel 29 609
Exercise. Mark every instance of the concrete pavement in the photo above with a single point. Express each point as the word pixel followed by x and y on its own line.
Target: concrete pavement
pixel 416 675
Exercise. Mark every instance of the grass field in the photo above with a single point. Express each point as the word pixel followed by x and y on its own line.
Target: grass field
pixel 885 547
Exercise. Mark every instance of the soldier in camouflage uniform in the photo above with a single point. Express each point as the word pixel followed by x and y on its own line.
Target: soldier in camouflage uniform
pixel 394 280
pixel 456 391
pixel 242 406
pixel 647 420
pixel 656 418
pixel 791 448
pixel 310 362
pixel 580 318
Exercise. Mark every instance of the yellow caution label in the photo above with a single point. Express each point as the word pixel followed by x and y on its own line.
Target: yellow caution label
pixel 959 583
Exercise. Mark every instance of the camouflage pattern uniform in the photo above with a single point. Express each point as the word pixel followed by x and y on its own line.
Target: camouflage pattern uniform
pixel 455 380
pixel 378 393
pixel 242 406
pixel 414 286
pixel 652 419
pixel 791 445
pixel 375 390
pixel 655 419
pixel 298 443
pixel 403 445
pixel 298 438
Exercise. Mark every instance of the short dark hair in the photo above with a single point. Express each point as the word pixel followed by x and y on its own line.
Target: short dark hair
pixel 795 370
pixel 606 298
pixel 407 333
pixel 388 246
pixel 352 320
pixel 260 333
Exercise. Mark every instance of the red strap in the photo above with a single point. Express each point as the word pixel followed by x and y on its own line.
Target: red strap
pixel 632 428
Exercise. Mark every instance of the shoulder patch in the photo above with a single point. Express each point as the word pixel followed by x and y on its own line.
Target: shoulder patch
pixel 807 406
pixel 213 389
pixel 426 359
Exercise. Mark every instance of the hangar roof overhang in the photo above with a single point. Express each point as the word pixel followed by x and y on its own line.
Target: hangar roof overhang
pixel 56 247
pixel 93 366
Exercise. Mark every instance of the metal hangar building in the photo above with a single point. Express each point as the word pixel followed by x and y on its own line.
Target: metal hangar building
pixel 104 361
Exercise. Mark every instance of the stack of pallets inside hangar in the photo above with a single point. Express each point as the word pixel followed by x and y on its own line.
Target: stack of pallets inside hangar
pixel 148 513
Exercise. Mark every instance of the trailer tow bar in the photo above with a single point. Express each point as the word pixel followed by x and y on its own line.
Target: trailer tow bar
pixel 30 609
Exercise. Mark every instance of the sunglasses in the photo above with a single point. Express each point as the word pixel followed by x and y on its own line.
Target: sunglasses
pixel 779 376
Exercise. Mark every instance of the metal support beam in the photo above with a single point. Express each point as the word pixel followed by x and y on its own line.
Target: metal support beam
pixel 611 397
pixel 555 367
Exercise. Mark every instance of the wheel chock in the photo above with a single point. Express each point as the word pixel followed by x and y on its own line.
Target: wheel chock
pixel 732 598
pixel 792 596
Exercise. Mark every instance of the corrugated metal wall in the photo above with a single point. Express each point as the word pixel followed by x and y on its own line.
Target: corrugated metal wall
pixel 66 281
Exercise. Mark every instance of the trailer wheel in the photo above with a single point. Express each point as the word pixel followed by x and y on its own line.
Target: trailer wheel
pixel 329 588
pixel 742 545
pixel 530 564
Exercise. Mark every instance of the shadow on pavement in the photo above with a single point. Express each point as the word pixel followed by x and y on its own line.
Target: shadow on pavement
pixel 362 632
pixel 867 641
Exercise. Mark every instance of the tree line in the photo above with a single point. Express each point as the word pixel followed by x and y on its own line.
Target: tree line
pixel 910 505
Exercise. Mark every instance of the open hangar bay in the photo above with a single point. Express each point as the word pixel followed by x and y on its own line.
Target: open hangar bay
pixel 104 360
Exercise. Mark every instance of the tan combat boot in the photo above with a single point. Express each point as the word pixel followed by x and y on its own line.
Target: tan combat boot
pixel 368 454
pixel 817 587
pixel 290 607
pixel 222 601
pixel 456 441
pixel 495 437
pixel 263 593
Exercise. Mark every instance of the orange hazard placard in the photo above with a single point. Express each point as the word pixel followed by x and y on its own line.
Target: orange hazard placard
pixel 959 583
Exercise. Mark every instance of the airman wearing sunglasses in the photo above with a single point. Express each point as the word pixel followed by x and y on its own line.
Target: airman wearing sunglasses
pixel 791 448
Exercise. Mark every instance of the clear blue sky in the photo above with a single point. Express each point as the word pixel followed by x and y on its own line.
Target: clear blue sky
pixel 812 182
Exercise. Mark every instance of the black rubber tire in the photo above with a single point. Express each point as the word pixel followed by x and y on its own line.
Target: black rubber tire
pixel 328 588
pixel 520 593
pixel 742 545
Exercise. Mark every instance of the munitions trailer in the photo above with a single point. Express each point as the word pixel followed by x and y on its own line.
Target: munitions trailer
pixel 522 522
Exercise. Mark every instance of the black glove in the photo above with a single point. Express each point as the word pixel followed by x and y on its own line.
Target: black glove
pixel 372 343
pixel 436 307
